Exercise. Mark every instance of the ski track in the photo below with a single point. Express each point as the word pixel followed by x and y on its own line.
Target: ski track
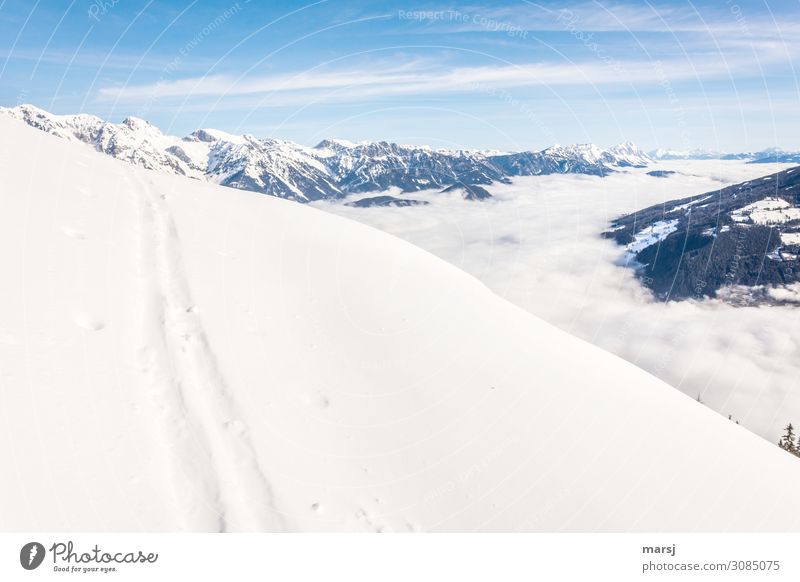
pixel 218 483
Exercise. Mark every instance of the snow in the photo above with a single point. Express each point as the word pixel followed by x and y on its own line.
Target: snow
pixel 790 238
pixel 767 211
pixel 629 153
pixel 344 143
pixel 688 205
pixel 207 359
pixel 289 170
pixel 588 151
pixel 206 154
pixel 669 154
pixel 539 245
pixel 225 136
pixel 624 154
pixel 651 235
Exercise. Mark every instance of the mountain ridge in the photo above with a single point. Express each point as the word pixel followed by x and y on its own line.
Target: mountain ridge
pixel 333 169
pixel 740 243
pixel 766 156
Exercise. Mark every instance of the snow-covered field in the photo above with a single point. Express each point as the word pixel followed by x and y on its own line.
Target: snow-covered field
pixel 767 211
pixel 180 356
pixel 538 245
pixel 653 234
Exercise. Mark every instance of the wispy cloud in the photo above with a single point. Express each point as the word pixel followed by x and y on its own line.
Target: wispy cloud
pixel 421 79
pixel 117 61
pixel 724 26
pixel 719 19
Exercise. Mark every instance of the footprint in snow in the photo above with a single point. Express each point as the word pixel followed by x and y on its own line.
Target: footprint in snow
pixel 73 232
pixel 89 322
pixel 237 427
pixel 315 400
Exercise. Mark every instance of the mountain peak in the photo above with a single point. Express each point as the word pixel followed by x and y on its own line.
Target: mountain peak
pixel 335 144
pixel 627 147
pixel 138 124
pixel 628 153
pixel 209 135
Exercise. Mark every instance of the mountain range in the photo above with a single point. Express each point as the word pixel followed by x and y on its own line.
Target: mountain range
pixel 767 156
pixel 332 169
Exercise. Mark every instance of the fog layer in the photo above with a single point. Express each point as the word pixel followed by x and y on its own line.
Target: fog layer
pixel 538 244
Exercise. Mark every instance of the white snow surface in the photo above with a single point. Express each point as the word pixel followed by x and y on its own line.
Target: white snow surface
pixel 766 212
pixel 651 235
pixel 176 356
pixel 790 238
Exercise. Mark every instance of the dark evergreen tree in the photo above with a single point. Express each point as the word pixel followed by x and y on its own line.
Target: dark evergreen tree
pixel 789 440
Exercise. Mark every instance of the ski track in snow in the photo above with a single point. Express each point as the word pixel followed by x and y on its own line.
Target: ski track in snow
pixel 218 483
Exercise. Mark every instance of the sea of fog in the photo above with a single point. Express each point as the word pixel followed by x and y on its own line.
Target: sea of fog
pixel 538 244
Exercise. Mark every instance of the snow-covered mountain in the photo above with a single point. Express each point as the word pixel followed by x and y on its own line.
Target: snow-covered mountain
pixel 626 154
pixel 767 156
pixel 333 169
pixel 775 155
pixel 575 159
pixel 696 154
pixel 381 165
pixel 174 357
pixel 280 168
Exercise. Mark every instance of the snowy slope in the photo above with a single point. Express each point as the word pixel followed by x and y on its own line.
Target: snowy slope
pixel 175 356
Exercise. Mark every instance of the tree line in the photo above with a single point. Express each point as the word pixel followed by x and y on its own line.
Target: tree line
pixel 789 441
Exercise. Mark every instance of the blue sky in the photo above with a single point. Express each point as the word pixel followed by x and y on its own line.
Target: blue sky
pixel 510 75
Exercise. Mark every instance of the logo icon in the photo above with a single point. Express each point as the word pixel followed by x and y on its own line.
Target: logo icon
pixel 31 555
